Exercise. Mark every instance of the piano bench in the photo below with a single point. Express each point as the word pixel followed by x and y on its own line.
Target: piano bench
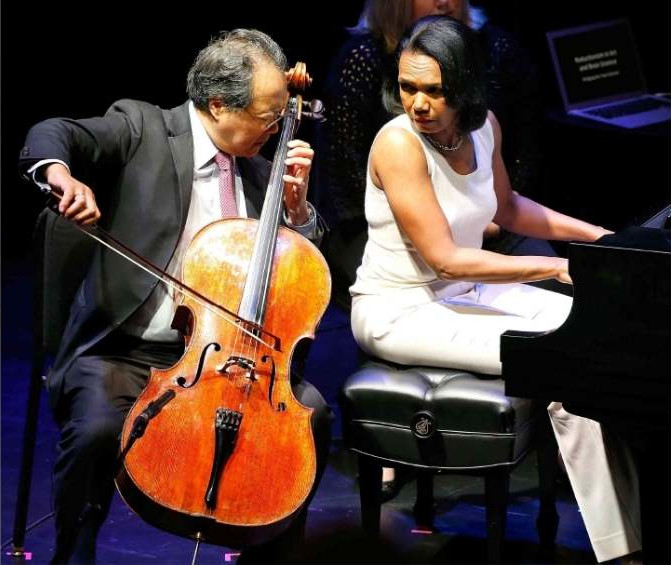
pixel 431 420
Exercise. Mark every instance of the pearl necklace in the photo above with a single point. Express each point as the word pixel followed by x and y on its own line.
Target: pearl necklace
pixel 442 147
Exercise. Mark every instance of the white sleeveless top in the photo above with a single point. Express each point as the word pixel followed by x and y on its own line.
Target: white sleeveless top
pixel 390 261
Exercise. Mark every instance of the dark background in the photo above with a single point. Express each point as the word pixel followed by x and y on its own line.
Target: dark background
pixel 75 59
pixel 67 59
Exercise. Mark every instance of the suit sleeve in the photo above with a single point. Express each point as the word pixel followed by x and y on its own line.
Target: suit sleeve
pixel 89 144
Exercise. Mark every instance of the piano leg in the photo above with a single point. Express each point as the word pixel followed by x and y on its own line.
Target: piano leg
pixel 655 486
pixel 548 472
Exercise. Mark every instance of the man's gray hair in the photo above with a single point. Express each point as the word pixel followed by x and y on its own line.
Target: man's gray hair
pixel 224 68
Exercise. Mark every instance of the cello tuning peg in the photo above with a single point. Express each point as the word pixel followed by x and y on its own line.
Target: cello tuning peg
pixel 315 105
pixel 316 110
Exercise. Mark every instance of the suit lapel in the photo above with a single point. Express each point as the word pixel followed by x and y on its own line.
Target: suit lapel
pixel 180 140
pixel 254 173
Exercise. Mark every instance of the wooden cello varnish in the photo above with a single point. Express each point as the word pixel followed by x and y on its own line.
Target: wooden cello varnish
pixel 229 398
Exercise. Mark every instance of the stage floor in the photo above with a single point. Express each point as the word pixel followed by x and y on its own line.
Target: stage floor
pixel 333 534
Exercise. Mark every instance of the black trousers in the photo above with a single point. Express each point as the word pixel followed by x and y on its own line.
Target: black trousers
pixel 99 390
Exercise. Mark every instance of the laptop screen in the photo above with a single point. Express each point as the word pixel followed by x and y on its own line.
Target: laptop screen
pixel 596 63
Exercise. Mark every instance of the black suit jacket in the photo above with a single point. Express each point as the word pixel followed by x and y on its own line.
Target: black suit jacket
pixel 139 160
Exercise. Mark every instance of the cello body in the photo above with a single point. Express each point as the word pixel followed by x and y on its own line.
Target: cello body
pixel 269 463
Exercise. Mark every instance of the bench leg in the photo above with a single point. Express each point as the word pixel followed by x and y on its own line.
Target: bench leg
pixel 370 487
pixel 496 499
pixel 425 507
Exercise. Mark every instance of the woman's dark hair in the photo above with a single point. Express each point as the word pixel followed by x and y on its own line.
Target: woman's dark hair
pixel 456 49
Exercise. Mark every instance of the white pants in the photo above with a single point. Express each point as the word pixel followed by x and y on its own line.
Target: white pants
pixel 415 327
pixel 604 479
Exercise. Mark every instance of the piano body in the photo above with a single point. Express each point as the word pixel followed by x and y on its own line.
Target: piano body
pixel 611 359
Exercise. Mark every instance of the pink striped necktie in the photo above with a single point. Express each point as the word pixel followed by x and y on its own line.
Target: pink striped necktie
pixel 226 185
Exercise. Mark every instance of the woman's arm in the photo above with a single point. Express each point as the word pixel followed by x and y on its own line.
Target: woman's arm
pixel 398 166
pixel 521 215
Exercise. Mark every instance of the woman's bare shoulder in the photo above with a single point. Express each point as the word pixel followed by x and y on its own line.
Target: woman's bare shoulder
pixel 395 140
pixel 396 154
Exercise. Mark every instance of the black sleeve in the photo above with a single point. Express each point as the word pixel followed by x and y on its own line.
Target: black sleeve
pixel 354 115
pixel 98 143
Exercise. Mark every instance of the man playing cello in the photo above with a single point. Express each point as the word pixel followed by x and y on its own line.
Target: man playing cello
pixel 162 175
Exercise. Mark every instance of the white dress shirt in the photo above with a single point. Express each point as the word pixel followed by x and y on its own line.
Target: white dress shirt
pixel 152 320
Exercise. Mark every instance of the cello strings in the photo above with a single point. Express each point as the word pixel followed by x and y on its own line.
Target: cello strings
pixel 177 287
pixel 262 259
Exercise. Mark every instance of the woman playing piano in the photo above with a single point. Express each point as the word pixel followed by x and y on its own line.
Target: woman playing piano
pixel 427 294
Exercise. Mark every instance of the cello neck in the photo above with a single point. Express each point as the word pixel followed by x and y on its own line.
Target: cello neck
pixel 253 302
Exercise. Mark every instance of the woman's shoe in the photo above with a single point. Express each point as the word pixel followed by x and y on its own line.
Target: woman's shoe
pixel 390 489
pixel 393 486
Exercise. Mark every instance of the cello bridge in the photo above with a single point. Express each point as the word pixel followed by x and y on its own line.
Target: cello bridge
pixel 237 366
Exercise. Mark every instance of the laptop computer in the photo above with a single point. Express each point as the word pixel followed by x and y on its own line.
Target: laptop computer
pixel 661 220
pixel 600 78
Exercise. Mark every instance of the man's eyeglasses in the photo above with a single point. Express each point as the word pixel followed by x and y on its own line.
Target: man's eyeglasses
pixel 268 123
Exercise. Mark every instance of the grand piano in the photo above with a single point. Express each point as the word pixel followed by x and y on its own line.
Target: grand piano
pixel 611 359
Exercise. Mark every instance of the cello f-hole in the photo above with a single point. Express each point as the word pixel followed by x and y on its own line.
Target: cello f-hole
pixel 281 406
pixel 181 381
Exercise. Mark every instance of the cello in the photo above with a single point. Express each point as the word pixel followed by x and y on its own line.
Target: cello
pixel 216 447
